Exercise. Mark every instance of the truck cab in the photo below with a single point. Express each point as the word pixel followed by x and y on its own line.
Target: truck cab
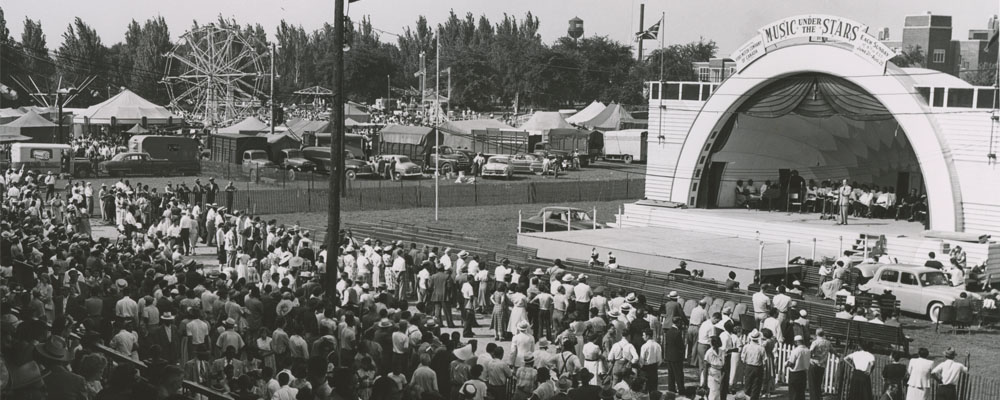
pixel 257 158
pixel 451 160
pixel 294 159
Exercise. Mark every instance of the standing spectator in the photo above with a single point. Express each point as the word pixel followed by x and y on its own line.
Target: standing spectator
pixel 715 360
pixel 893 376
pixel 211 189
pixel 650 357
pixel 861 382
pixel 819 355
pixel 230 195
pixel 798 365
pixel 753 357
pixel 948 373
pixel 673 355
pixel 919 371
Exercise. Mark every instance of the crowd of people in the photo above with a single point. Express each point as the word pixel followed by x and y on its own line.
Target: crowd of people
pixel 257 322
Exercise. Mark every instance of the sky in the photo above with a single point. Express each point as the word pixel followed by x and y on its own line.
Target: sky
pixel 728 22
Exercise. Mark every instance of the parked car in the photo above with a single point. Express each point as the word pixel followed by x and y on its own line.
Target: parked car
pixel 920 290
pixel 501 166
pixel 126 164
pixel 527 163
pixel 323 162
pixel 405 167
pixel 295 160
pixel 551 219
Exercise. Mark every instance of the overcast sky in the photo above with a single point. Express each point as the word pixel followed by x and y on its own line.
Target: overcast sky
pixel 728 22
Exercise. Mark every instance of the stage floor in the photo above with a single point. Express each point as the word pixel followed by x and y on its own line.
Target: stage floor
pixel 886 227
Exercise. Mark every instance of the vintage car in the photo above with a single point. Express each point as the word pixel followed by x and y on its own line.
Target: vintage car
pixel 405 168
pixel 294 160
pixel 323 162
pixel 501 166
pixel 527 163
pixel 920 290
pixel 551 219
pixel 125 164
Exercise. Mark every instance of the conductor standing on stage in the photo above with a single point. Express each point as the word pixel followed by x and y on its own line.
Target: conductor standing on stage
pixel 844 197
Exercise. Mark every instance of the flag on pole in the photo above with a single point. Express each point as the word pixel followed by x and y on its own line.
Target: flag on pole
pixel 652 33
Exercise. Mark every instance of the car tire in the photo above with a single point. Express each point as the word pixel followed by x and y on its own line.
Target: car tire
pixel 351 174
pixel 933 310
pixel 628 159
pixel 446 168
pixel 291 174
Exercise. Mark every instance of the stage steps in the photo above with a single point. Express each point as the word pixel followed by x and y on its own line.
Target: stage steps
pixel 829 242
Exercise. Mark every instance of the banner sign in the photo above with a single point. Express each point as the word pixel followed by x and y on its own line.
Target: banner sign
pixel 827 27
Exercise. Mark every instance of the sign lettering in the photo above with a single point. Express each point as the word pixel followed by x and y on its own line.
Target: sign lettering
pixel 830 28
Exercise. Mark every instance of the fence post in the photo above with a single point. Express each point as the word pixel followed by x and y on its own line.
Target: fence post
pixel 248 196
pixel 760 263
pixel 518 221
pixel 595 218
pixel 841 251
pixel 814 250
pixel 788 255
pixel 544 220
pixel 628 179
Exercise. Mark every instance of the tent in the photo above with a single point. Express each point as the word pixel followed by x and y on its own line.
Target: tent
pixel 545 120
pixel 8 115
pixel 611 118
pixel 250 124
pixel 301 126
pixel 356 112
pixel 127 108
pixel 137 130
pixel 458 134
pixel 587 113
pixel 32 125
pixel 404 134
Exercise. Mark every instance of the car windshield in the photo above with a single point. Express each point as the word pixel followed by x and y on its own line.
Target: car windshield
pixel 403 159
pixel 935 278
pixel 499 160
pixel 258 155
pixel 447 150
pixel 293 153
pixel 581 216
pixel 118 157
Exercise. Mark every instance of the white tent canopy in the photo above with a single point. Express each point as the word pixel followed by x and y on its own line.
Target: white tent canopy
pixel 127 108
pixel 545 120
pixel 587 113
pixel 251 124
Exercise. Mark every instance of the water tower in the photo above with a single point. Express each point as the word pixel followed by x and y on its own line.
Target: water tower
pixel 575 30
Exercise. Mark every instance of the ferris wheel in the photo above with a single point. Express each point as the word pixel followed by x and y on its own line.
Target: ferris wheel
pixel 215 75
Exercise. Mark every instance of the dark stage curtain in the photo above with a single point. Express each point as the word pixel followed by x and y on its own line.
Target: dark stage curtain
pixel 817 96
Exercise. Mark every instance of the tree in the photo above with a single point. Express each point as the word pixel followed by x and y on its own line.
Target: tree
pixel 4 32
pixel 913 56
pixel 37 61
pixel 81 54
pixel 984 75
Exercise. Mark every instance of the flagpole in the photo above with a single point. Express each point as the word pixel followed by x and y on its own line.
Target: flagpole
pixel 659 132
pixel 663 19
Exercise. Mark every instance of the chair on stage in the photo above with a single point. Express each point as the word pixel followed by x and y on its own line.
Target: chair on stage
pixel 794 200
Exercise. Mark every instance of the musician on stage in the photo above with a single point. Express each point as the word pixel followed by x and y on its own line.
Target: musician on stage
pixel 844 198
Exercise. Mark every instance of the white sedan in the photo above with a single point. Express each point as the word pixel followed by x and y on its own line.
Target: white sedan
pixel 920 290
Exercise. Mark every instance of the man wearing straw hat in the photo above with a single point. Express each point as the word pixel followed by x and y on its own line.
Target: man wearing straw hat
pixel 753 356
pixel 53 354
pixel 948 373
pixel 522 344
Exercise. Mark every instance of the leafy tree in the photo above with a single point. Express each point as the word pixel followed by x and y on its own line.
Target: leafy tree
pixel 37 61
pixel 81 55
pixel 984 75
pixel 913 56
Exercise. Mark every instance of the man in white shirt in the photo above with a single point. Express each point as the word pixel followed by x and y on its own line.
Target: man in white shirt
pixel 781 302
pixel 622 356
pixel 650 357
pixel 469 307
pixel 126 307
pixel 705 333
pixel 948 373
pixel 582 293
pixel 919 371
pixel 521 344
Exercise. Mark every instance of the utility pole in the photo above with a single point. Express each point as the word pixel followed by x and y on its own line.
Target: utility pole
pixel 437 132
pixel 336 150
pixel 388 88
pixel 449 89
pixel 642 14
pixel 272 88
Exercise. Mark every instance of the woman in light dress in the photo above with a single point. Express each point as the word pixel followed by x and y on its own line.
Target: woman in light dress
pixel 518 312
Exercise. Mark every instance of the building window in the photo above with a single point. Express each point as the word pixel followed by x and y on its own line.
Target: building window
pixel 965 65
pixel 716 75
pixel 938 56
pixel 703 74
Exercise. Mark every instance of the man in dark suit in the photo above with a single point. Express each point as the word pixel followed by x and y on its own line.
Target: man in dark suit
pixel 228 358
pixel 60 383
pixel 673 355
pixel 438 287
pixel 165 336
pixel 198 369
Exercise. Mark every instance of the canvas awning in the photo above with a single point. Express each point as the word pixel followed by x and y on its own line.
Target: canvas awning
pixel 137 130
pixel 611 118
pixel 405 134
pixel 545 120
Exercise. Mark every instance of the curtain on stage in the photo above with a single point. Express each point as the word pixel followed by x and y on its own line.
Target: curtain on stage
pixel 817 96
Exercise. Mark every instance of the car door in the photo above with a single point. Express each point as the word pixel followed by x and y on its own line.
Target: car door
pixel 909 293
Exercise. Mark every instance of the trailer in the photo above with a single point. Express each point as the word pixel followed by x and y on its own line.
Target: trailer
pixel 492 141
pixel 563 142
pixel 229 147
pixel 174 148
pixel 627 145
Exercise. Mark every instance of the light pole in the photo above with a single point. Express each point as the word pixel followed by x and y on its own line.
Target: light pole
pixel 336 150
pixel 58 137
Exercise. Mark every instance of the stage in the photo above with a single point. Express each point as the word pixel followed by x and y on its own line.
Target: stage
pixel 723 240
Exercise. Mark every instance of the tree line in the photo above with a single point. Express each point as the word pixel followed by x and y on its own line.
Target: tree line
pixel 491 64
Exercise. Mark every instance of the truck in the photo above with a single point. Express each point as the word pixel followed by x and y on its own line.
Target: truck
pixel 257 158
pixel 322 160
pixel 230 147
pixel 176 148
pixel 131 163
pixel 46 157
pixel 417 143
pixel 563 142
pixel 497 141
pixel 627 145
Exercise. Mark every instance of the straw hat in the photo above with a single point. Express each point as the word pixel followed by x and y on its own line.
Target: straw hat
pixel 631 298
pixel 54 349
pixel 673 294
pixel 523 326
pixel 464 353
pixel 567 278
